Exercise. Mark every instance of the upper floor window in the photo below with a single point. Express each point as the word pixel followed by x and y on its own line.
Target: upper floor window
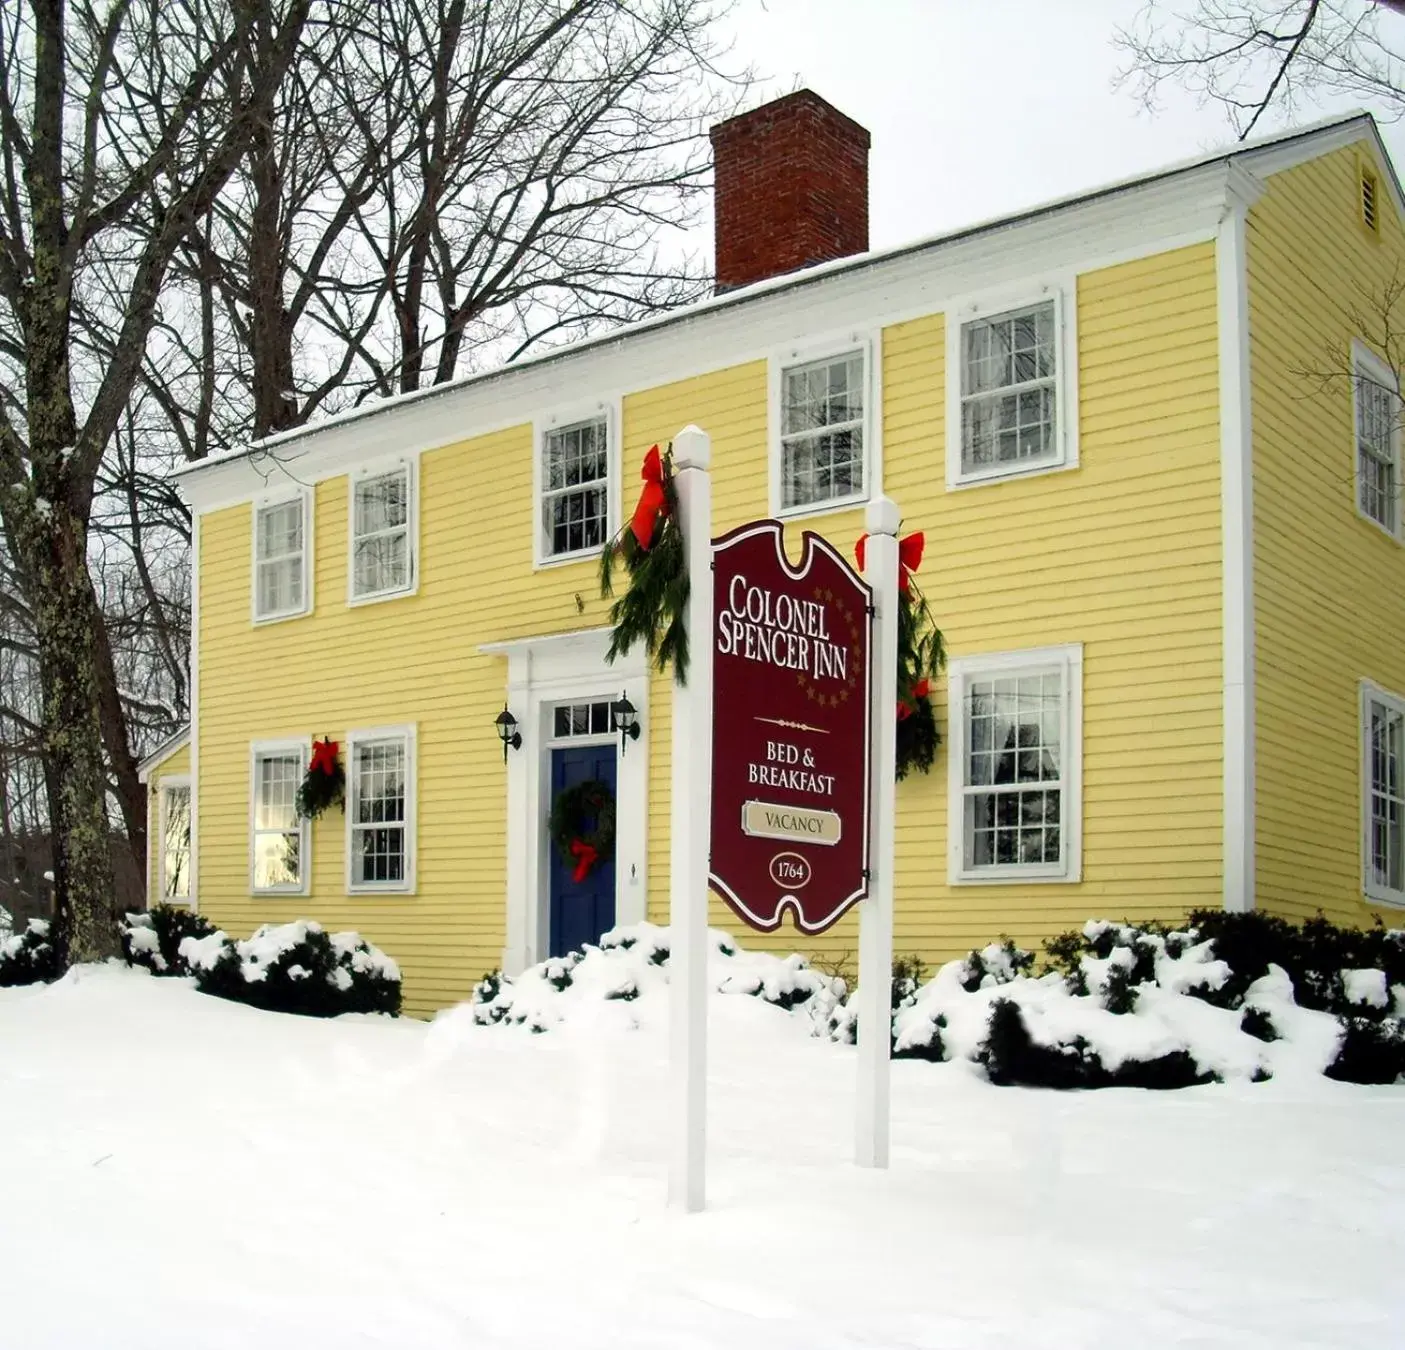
pixel 822 426
pixel 1016 725
pixel 1377 421
pixel 1010 389
pixel 575 488
pixel 383 532
pixel 279 837
pixel 380 809
pixel 174 840
pixel 1383 789
pixel 281 570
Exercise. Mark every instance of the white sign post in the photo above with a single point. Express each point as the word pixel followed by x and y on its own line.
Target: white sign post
pixel 876 912
pixel 690 823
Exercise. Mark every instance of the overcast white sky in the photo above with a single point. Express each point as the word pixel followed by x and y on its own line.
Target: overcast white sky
pixel 979 107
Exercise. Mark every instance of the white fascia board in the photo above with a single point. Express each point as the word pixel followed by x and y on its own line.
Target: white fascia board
pixel 163 752
pixel 1147 218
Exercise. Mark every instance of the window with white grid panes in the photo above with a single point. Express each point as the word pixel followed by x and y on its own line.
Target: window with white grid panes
pixel 570 720
pixel 175 842
pixel 575 495
pixel 822 431
pixel 382 549
pixel 1377 417
pixel 280 573
pixel 378 812
pixel 1384 816
pixel 1009 390
pixel 279 837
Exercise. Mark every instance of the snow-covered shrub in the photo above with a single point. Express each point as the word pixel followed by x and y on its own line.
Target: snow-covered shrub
pixel 152 939
pixel 29 957
pixel 999 963
pixel 1372 1050
pixel 1258 1023
pixel 296 968
pixel 630 964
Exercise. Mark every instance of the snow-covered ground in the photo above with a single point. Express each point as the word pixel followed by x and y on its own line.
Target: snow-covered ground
pixel 183 1172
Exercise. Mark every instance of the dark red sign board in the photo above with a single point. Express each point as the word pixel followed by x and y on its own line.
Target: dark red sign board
pixel 790 729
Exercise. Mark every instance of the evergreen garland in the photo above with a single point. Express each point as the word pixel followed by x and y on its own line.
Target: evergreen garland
pixel 324 784
pixel 651 548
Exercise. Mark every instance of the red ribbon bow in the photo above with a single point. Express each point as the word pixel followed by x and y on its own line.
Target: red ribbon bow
pixel 324 757
pixel 909 556
pixel 653 501
pixel 586 857
pixel 907 706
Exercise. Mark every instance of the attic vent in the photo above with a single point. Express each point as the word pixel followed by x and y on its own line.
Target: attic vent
pixel 1369 217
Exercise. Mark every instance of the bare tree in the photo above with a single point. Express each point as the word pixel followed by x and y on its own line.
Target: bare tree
pixel 117 130
pixel 1253 55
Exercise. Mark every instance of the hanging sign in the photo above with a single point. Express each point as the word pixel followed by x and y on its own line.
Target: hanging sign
pixel 790 729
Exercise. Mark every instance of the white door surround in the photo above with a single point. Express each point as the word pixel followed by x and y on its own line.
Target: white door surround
pixel 541 673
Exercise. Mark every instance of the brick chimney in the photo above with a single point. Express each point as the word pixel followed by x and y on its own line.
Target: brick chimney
pixel 791 189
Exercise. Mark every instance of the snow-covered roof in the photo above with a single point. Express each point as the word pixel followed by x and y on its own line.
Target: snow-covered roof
pixel 1267 146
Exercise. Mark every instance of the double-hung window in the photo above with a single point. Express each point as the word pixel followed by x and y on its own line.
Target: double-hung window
pixel 279 842
pixel 1383 793
pixel 174 840
pixel 822 414
pixel 1010 388
pixel 1016 765
pixel 1377 421
pixel 281 572
pixel 380 811
pixel 383 532
pixel 575 488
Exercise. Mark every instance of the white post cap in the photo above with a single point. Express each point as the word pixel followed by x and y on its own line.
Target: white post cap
pixel 882 516
pixel 692 448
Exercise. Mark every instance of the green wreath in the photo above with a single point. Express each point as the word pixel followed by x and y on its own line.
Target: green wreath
pixel 580 843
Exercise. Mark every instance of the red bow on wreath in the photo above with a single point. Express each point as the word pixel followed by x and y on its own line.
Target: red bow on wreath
pixel 324 757
pixel 909 556
pixel 653 502
pixel 920 690
pixel 585 856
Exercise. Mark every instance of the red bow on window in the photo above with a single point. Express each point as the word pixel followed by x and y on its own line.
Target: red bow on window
pixel 324 757
pixel 909 556
pixel 585 856
pixel 653 501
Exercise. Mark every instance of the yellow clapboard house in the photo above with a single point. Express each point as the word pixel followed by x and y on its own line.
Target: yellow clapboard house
pixel 1150 433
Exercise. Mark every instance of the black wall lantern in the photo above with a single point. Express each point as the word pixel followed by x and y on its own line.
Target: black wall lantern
pixel 625 720
pixel 508 734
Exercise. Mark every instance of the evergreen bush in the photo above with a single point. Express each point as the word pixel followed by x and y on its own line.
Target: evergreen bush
pixel 296 968
pixel 30 957
pixel 152 939
pixel 1256 1022
pixel 1372 1050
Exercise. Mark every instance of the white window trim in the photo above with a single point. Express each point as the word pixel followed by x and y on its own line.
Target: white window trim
pixel 1365 362
pixel 305 496
pixel 163 786
pixel 407 730
pixel 609 410
pixel 378 469
pixel 303 746
pixel 960 671
pixel 870 343
pixel 1373 693
pixel 1064 293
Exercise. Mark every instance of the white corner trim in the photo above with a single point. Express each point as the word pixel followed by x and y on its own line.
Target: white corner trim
pixel 282 745
pixel 406 731
pixel 194 701
pixel 1063 291
pixel 378 469
pixel 867 341
pixel 1068 660
pixel 304 496
pixel 610 410
pixel 1237 541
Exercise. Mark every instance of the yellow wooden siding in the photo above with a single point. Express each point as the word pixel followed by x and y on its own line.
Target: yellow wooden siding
pixel 176 764
pixel 1329 586
pixel 1121 554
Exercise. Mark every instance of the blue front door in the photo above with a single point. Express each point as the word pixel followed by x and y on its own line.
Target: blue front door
pixel 580 910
